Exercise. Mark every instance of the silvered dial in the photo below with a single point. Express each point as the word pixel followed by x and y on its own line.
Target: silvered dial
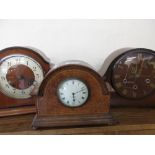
pixel 20 75
pixel 73 92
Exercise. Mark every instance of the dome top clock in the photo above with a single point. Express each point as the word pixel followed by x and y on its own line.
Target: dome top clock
pixel 131 75
pixel 21 73
pixel 72 94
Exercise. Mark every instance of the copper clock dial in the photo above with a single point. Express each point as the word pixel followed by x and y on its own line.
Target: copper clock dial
pixel 19 76
pixel 133 74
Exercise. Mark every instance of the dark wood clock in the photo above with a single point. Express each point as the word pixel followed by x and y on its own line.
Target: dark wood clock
pixel 21 72
pixel 132 78
pixel 72 94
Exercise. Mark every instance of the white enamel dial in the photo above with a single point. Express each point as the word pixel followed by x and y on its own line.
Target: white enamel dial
pixel 10 73
pixel 73 92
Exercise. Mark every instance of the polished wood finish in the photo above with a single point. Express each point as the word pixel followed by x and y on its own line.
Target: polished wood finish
pixel 17 111
pixel 118 101
pixel 51 112
pixel 131 121
pixel 11 106
pixel 124 100
pixel 74 120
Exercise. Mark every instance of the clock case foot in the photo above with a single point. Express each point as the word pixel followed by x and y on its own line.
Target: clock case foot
pixel 17 111
pixel 70 121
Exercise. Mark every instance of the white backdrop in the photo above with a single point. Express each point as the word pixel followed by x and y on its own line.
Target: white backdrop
pixel 88 40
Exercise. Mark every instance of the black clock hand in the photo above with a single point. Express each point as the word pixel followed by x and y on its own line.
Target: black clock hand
pixel 73 96
pixel 79 91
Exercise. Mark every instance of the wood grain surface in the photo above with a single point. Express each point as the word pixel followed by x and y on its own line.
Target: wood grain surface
pixel 52 113
pixel 131 121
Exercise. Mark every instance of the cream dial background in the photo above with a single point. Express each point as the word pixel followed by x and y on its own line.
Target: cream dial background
pixel 73 92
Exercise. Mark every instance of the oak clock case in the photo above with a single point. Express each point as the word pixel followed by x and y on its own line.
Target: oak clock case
pixel 132 78
pixel 21 72
pixel 72 95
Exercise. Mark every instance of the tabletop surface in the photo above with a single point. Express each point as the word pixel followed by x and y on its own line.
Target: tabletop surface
pixel 131 121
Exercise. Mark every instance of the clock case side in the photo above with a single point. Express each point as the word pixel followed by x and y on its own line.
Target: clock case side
pixel 116 99
pixel 68 116
pixel 10 106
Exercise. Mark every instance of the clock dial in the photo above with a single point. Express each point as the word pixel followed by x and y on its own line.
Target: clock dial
pixel 133 74
pixel 73 92
pixel 19 76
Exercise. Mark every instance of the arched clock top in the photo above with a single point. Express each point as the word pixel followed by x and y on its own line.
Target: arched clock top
pixel 22 70
pixel 66 67
pixel 14 50
pixel 131 78
pixel 73 62
pixel 72 94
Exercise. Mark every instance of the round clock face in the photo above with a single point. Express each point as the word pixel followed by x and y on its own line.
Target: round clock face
pixel 134 75
pixel 73 92
pixel 19 75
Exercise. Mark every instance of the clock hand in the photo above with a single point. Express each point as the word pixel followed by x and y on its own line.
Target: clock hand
pixel 125 78
pixel 73 96
pixel 79 91
pixel 141 67
pixel 127 72
pixel 137 75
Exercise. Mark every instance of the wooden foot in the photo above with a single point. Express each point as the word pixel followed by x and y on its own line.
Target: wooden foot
pixel 66 121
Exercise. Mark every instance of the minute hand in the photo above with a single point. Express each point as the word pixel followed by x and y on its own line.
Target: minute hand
pixel 140 70
pixel 79 91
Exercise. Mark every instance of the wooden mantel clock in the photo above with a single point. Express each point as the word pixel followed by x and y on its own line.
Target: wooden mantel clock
pixel 131 76
pixel 72 94
pixel 21 72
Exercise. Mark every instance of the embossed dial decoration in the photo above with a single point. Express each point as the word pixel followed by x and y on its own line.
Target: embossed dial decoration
pixel 133 74
pixel 19 76
pixel 73 92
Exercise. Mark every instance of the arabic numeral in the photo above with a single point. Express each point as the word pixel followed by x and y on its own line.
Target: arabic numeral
pixel 9 64
pixel 2 78
pixel 7 85
pixel 14 90
pixel 23 92
pixel 34 69
pixel 17 59
pixel 37 75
